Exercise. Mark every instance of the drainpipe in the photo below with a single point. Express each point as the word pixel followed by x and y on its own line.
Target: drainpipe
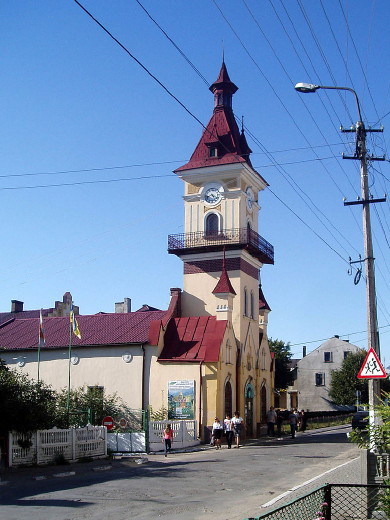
pixel 200 398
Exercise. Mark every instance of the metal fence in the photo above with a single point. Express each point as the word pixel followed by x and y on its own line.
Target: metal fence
pixel 334 502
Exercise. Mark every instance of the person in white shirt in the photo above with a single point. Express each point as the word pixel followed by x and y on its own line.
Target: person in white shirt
pixel 238 423
pixel 217 433
pixel 228 427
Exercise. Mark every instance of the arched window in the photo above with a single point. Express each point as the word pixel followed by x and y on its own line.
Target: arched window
pixel 228 399
pixel 245 302
pixel 211 225
pixel 252 306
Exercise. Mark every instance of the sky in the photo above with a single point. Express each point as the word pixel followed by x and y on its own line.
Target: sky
pixel 92 128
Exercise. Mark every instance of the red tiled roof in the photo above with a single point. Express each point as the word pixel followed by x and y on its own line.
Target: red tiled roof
pixel 97 329
pixel 6 316
pixel 195 338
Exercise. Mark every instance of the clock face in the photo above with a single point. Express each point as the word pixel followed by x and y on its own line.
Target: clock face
pixel 250 197
pixel 212 196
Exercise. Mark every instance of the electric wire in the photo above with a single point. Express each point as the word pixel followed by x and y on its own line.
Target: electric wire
pixel 174 44
pixel 150 75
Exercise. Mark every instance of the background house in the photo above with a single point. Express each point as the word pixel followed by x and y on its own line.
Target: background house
pixel 312 375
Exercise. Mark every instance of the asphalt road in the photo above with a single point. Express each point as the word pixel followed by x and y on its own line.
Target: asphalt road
pixel 209 484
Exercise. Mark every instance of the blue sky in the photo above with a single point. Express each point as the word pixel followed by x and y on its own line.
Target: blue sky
pixel 79 115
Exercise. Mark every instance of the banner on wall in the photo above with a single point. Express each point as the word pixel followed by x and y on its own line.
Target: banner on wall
pixel 181 399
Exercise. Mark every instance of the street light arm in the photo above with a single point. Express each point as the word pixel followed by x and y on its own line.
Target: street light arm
pixel 306 88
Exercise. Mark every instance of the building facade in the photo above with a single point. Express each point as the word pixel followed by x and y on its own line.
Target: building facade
pixel 313 375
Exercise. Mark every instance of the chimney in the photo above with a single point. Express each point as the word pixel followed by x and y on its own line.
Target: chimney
pixel 16 306
pixel 123 307
pixel 304 351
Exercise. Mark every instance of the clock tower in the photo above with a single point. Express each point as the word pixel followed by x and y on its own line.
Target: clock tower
pixel 221 229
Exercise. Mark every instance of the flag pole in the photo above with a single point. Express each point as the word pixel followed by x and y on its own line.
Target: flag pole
pixel 69 365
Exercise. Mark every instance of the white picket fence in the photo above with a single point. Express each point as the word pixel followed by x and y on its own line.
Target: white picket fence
pixel 184 434
pixel 73 444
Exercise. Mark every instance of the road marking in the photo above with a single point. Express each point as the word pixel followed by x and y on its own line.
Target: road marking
pixel 279 497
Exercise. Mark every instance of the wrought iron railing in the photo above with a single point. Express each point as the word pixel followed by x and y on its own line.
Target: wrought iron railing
pixel 229 238
pixel 334 502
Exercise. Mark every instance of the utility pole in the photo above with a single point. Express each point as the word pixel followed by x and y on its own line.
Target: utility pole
pixel 372 324
pixel 361 155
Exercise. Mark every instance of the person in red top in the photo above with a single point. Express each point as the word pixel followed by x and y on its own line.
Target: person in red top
pixel 168 438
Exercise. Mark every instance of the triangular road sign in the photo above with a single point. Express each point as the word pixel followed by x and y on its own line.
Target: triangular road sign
pixel 372 367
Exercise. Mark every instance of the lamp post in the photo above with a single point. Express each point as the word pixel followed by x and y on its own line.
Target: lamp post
pixel 361 155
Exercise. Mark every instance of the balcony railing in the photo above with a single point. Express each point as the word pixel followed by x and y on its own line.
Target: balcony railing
pixel 229 239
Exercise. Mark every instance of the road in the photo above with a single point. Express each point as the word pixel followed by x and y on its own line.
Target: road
pixel 220 485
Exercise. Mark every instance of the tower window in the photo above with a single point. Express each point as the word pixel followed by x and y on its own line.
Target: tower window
pixel 212 227
pixel 252 306
pixel 245 302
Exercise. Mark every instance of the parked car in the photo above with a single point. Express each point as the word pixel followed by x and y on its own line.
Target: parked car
pixel 360 420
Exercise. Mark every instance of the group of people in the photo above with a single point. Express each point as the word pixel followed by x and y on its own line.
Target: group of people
pixel 297 420
pixel 231 427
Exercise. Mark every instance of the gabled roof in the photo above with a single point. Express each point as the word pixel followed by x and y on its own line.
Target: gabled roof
pixel 221 132
pixel 97 329
pixel 193 339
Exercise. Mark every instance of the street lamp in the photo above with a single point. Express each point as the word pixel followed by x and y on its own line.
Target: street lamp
pixel 361 155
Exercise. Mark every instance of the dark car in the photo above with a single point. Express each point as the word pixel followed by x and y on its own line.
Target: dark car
pixel 360 420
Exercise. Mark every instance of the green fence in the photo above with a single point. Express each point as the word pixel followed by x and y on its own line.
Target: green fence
pixel 334 502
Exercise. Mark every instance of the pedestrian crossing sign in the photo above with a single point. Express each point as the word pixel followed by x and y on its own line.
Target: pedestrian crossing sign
pixel 372 368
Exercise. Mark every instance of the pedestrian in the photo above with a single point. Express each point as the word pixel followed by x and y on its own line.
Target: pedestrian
pixel 228 427
pixel 279 421
pixel 217 433
pixel 238 424
pixel 167 438
pixel 302 421
pixel 271 421
pixel 293 419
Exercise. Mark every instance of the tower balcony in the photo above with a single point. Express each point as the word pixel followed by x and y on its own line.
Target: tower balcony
pixel 229 239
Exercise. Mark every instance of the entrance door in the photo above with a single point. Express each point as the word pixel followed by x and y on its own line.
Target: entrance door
pixel 228 399
pixel 249 394
pixel 263 404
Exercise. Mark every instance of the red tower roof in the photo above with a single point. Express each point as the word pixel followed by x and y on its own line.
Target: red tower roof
pixel 224 285
pixel 221 142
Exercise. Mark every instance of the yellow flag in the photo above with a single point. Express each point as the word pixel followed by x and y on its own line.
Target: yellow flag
pixel 74 324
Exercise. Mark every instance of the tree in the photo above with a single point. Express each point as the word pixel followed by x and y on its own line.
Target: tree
pixel 345 384
pixel 87 404
pixel 282 353
pixel 26 404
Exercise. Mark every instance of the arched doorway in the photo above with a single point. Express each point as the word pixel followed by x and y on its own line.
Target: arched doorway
pixel 249 395
pixel 228 399
pixel 263 403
